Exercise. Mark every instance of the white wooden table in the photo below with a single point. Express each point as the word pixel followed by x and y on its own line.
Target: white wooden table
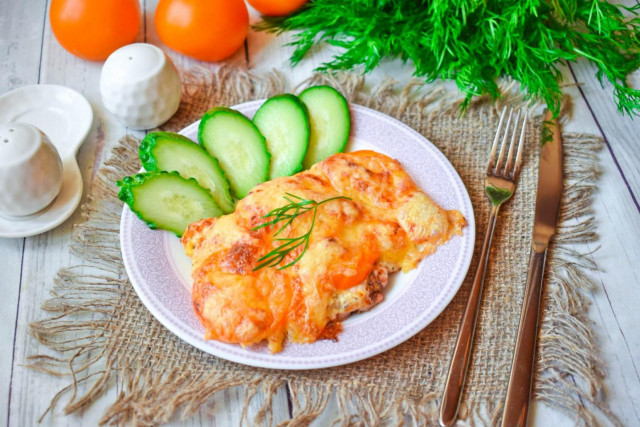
pixel 29 54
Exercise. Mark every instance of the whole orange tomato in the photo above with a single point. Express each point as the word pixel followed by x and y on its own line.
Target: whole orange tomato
pixel 276 7
pixel 93 29
pixel 208 30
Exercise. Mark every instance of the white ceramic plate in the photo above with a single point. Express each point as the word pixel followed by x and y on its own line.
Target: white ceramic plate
pixel 160 272
pixel 65 116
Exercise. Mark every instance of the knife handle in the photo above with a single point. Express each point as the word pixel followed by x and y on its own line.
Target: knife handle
pixel 462 352
pixel 516 407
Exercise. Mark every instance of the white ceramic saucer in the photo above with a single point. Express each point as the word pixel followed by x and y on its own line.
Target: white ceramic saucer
pixel 66 117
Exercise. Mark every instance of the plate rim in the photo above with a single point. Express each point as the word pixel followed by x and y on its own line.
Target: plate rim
pixel 279 364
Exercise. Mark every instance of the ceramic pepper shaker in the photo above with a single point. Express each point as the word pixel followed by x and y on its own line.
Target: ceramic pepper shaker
pixel 140 86
pixel 30 170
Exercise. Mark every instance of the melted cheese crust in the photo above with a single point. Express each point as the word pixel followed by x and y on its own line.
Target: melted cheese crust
pixel 388 224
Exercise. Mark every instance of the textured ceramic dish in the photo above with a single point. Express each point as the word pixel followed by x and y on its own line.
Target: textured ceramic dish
pixel 65 116
pixel 30 170
pixel 140 86
pixel 160 272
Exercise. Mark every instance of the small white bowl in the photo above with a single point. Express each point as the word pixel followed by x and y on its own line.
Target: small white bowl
pixel 140 86
pixel 30 170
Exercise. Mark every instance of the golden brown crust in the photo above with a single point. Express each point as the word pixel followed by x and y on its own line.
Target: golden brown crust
pixel 388 224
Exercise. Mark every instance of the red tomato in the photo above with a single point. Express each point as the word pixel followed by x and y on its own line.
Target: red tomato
pixel 208 30
pixel 276 7
pixel 93 29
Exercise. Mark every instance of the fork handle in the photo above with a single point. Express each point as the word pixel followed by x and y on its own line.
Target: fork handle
pixel 462 352
pixel 516 407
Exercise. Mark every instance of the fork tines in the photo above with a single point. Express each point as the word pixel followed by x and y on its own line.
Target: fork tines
pixel 500 167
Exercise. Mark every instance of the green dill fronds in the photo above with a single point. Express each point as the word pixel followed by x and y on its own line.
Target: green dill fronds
pixel 286 214
pixel 473 42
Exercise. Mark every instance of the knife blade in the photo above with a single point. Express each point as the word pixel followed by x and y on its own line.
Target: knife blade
pixel 548 198
pixel 549 184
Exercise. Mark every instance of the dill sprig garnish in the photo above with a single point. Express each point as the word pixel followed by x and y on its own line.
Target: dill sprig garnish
pixel 296 207
pixel 476 41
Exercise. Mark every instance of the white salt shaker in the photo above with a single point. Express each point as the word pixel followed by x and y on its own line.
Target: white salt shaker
pixel 30 170
pixel 140 86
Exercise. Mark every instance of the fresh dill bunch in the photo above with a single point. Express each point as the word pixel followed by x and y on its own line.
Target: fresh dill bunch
pixel 296 207
pixel 476 41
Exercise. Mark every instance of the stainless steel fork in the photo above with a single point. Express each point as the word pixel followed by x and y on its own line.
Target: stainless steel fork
pixel 500 184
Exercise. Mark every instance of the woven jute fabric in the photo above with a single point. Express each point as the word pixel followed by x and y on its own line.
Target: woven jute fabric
pixel 102 329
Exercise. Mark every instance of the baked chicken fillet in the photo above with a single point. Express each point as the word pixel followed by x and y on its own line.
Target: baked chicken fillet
pixel 387 224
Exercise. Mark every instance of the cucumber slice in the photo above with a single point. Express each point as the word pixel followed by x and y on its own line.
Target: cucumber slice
pixel 284 122
pixel 167 151
pixel 238 145
pixel 330 123
pixel 166 200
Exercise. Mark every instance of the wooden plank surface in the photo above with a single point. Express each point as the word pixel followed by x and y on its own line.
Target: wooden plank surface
pixel 46 253
pixel 30 54
pixel 21 25
pixel 11 254
pixel 618 249
pixel 625 132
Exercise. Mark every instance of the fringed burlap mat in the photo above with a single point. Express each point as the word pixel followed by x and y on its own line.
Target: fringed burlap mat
pixel 162 376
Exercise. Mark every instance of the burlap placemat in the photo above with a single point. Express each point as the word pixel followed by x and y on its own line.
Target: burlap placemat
pixel 102 329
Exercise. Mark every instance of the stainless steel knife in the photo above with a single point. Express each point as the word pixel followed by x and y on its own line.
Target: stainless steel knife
pixel 544 227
